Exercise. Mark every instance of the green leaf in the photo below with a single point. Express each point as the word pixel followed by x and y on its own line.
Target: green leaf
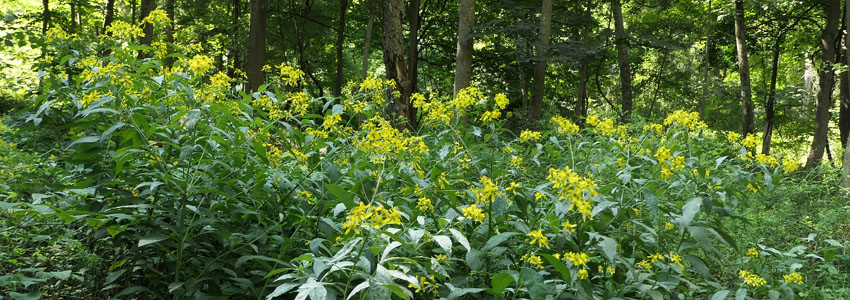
pixel 689 211
pixel 444 242
pixel 773 294
pixel 559 266
pixel 460 238
pixel 501 281
pixel 152 238
pixel 720 295
pixel 342 194
pixel 397 290
pixel 496 240
pixel 609 248
pixel 34 295
pixel 741 294
pixel 655 295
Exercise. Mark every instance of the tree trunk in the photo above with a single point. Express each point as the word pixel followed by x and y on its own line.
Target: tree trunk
pixel 235 46
pixel 844 107
pixel 463 57
pixel 132 12
pixel 146 8
pixel 394 62
pixel 623 61
pixel 705 82
pixel 365 66
pixel 826 82
pixel 169 31
pixel 413 55
pixel 73 16
pixel 744 69
pixel 45 16
pixel 109 15
pixel 540 65
pixel 523 88
pixel 340 39
pixel 581 103
pixel 771 99
pixel 257 44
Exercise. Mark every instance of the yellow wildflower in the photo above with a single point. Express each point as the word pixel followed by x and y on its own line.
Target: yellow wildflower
pixel 473 213
pixel 793 278
pixel 538 238
pixel 751 279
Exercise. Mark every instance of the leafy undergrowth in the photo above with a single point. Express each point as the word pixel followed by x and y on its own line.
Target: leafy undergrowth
pixel 168 181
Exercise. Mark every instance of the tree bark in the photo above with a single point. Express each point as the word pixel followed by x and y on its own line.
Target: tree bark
pixel 109 15
pixel 45 16
pixel 581 103
pixel 132 12
pixel 463 57
pixel 844 107
pixel 146 8
pixel 705 82
pixel 413 55
pixel 744 70
pixel 234 51
pixel 169 10
pixel 826 82
pixel 623 61
pixel 771 99
pixel 257 44
pixel 393 15
pixel 340 39
pixel 540 66
pixel 366 51
pixel 73 16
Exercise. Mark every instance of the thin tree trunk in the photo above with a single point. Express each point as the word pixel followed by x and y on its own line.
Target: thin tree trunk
pixel 540 65
pixel 234 50
pixel 581 104
pixel 146 8
pixel 413 49
pixel 825 82
pixel 73 16
pixel 623 60
pixel 109 16
pixel 463 57
pixel 771 99
pixel 45 16
pixel 340 39
pixel 366 51
pixel 744 69
pixel 393 15
pixel 705 82
pixel 522 84
pixel 132 12
pixel 257 44
pixel 169 31
pixel 844 107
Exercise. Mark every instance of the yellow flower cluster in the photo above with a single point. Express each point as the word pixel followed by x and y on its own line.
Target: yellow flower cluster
pixel 473 213
pixel 570 186
pixel 516 161
pixel 528 135
pixel 54 34
pixel 577 259
pixel 425 285
pixel 751 279
pixel 606 127
pixel 157 17
pixel 753 188
pixel 90 97
pixel 537 237
pixel 793 278
pixel 657 128
pixel 492 115
pixel 434 109
pixel 289 75
pixel 200 64
pixel 685 119
pixel 466 98
pixel 789 165
pixel 732 136
pixel 568 227
pixel 749 141
pixel 533 260
pixel 767 160
pixel 424 204
pixel 675 258
pixel 582 274
pixel 752 253
pixel 487 191
pixel 376 215
pixel 564 125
